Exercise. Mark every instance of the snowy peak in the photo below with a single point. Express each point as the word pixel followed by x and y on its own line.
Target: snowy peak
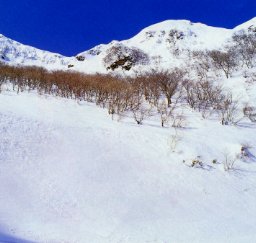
pixel 190 35
pixel 183 25
pixel 167 25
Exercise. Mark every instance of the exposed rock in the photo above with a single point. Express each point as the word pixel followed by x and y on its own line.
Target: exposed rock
pixel 124 57
pixel 80 58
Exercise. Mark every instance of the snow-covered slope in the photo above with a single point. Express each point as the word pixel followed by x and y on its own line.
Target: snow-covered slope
pixel 80 177
pixel 16 53
pixel 194 34
pixel 247 25
pixel 161 42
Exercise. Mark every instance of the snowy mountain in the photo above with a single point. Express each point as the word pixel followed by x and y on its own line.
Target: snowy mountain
pixel 164 44
pixel 15 53
pixel 76 166
pixel 160 41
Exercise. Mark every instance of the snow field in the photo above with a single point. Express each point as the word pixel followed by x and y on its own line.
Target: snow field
pixel 68 173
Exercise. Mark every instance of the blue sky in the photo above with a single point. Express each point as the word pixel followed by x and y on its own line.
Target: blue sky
pixel 71 26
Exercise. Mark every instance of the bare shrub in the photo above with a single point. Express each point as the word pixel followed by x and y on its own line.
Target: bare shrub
pixel 245 45
pixel 175 139
pixel 225 61
pixel 229 160
pixel 229 110
pixel 201 64
pixel 164 112
pixel 203 96
pixel 178 121
pixel 190 94
pixel 148 84
pixel 140 112
pixel 169 82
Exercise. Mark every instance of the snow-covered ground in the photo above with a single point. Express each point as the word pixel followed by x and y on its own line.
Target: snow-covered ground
pixel 68 173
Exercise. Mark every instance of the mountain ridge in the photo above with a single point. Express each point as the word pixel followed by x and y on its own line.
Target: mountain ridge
pixel 154 40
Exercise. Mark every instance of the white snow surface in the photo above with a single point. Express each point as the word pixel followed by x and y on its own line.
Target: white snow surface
pixel 68 173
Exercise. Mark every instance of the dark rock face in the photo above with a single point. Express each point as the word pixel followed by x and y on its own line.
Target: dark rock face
pixel 125 63
pixel 80 58
pixel 120 56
